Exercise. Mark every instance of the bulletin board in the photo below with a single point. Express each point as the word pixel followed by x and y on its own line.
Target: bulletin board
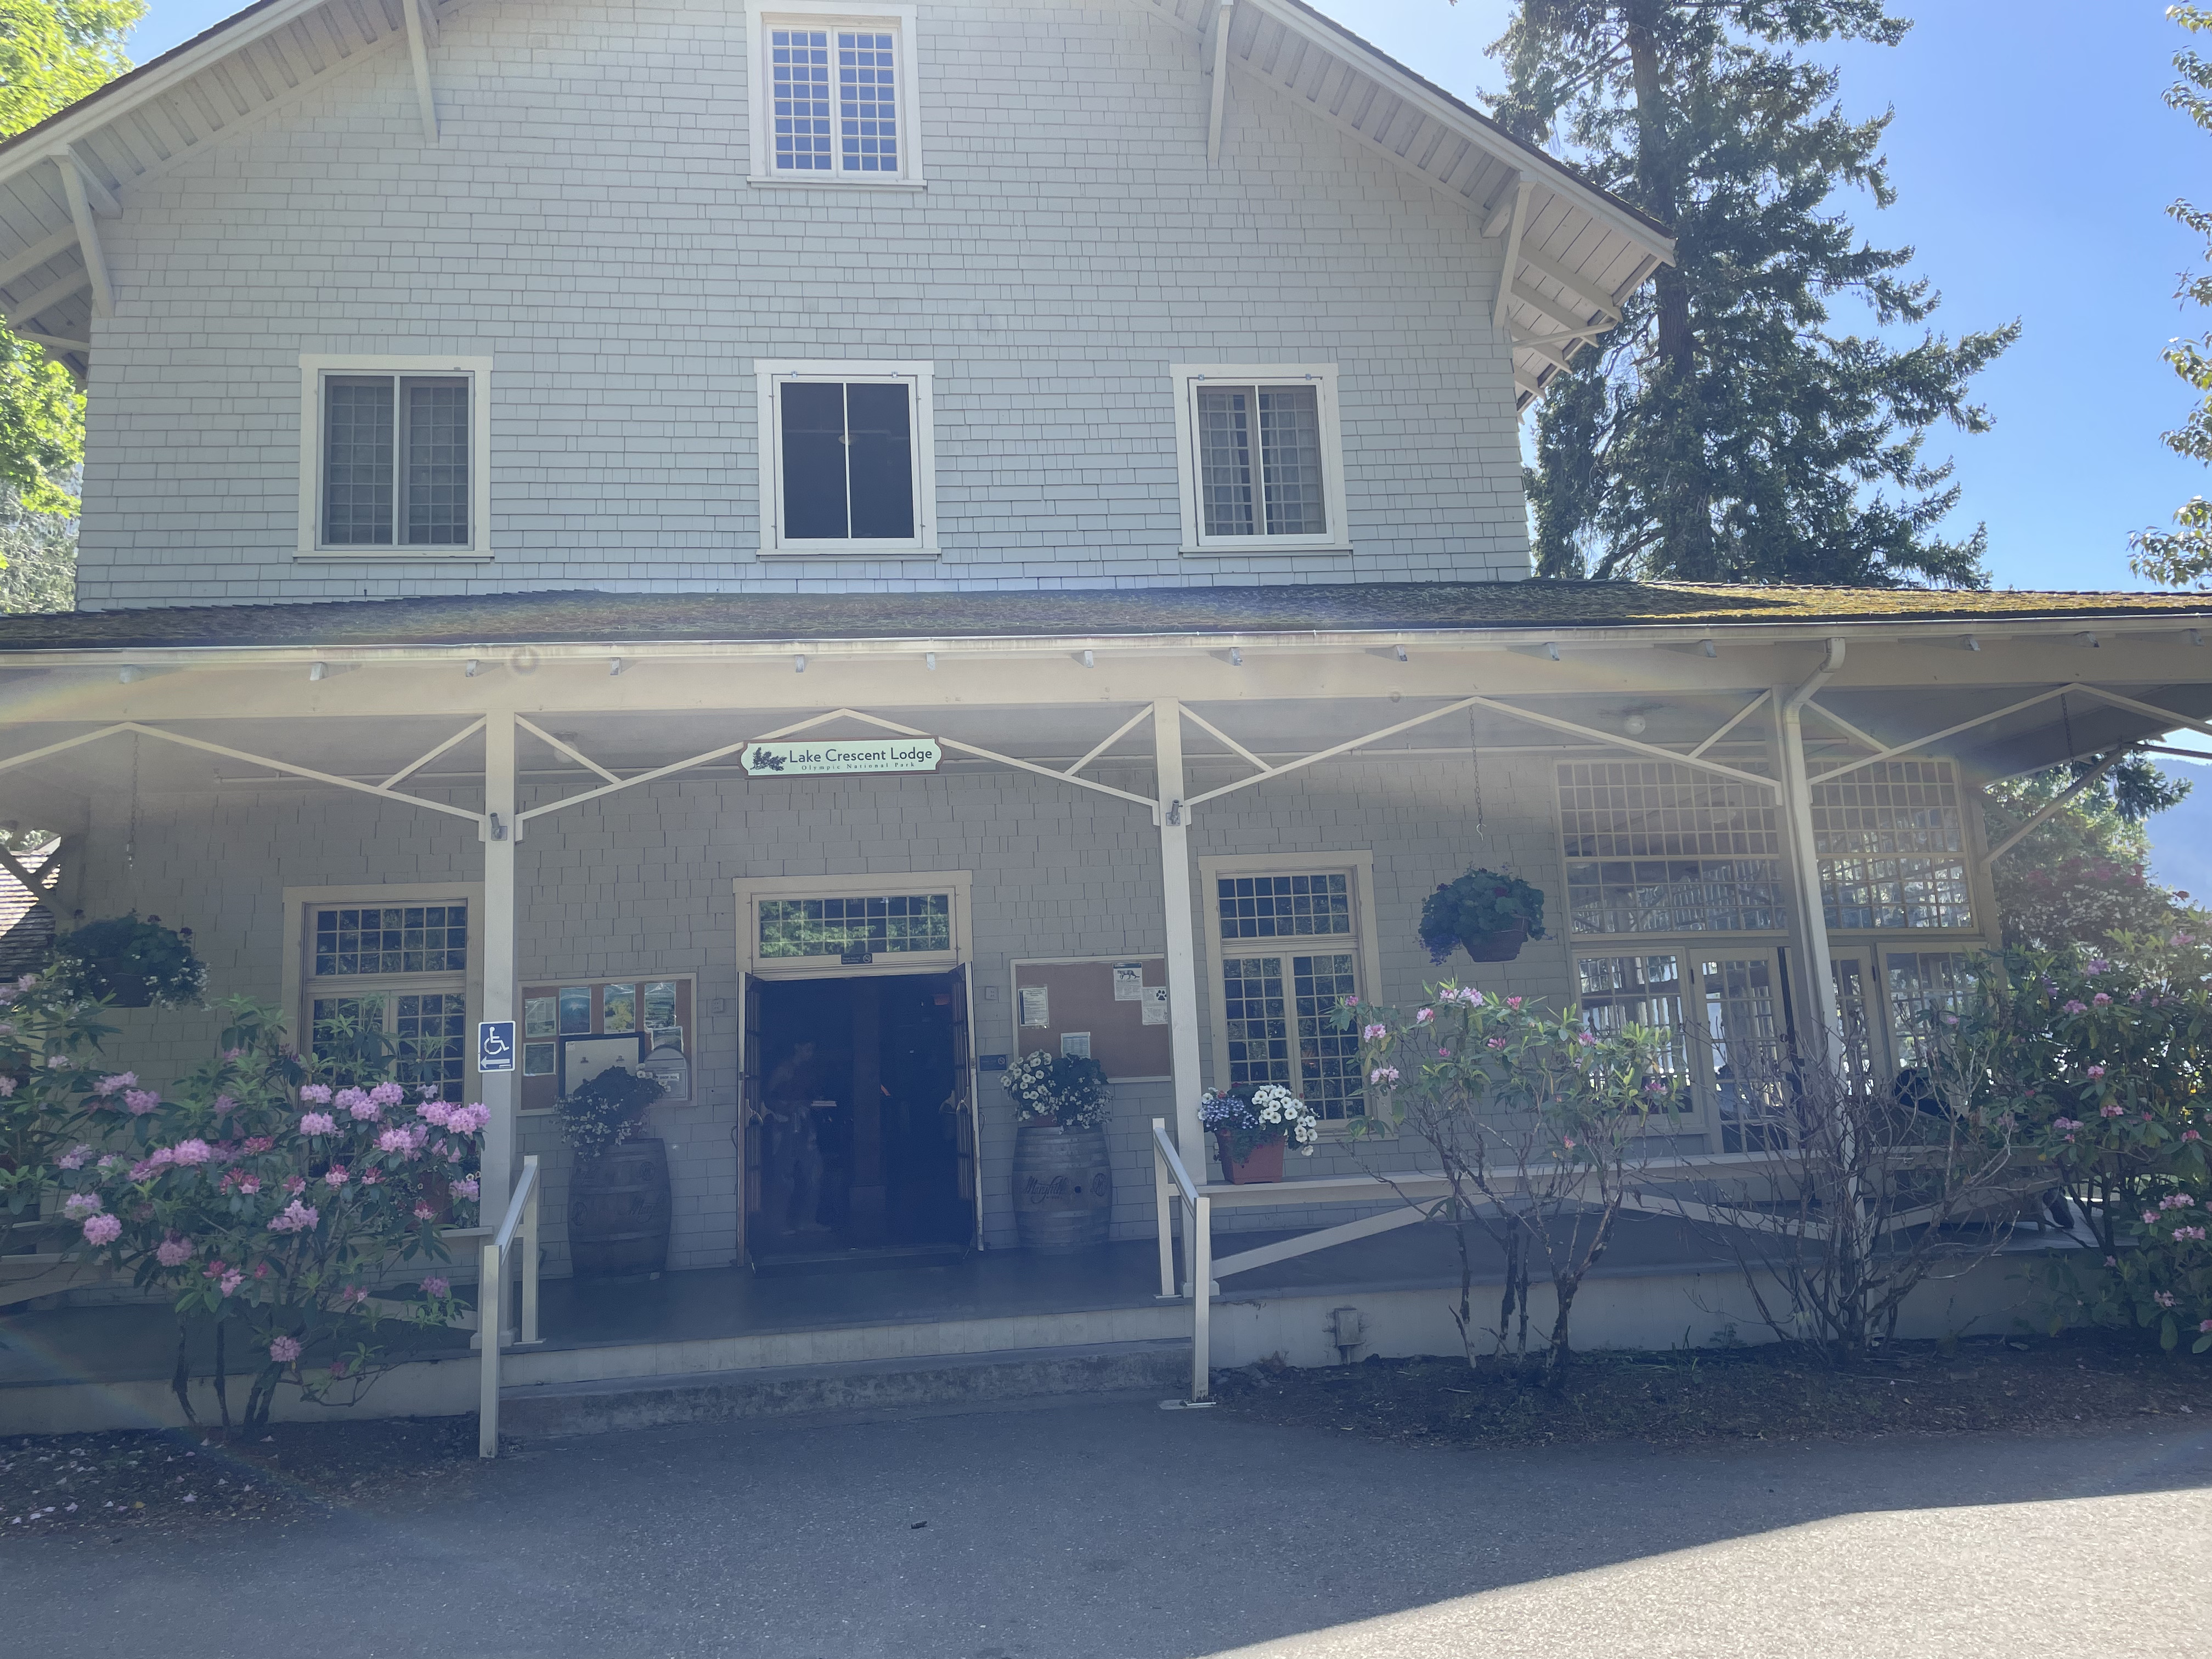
pixel 1077 995
pixel 658 1009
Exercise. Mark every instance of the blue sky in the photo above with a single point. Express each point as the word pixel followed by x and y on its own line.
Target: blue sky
pixel 2034 162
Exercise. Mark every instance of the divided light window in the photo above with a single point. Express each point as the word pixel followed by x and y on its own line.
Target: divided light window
pixel 1261 459
pixel 1277 1006
pixel 835 94
pixel 388 987
pixel 1891 839
pixel 846 467
pixel 1654 848
pixel 395 461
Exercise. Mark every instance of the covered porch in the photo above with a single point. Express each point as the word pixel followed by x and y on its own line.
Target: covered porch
pixel 570 773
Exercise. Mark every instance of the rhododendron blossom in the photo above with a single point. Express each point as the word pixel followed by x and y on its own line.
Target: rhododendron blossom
pixel 1373 1033
pixel 435 1285
pixel 140 1102
pixel 335 1175
pixel 2096 1071
pixel 77 1205
pixel 74 1158
pixel 173 1252
pixel 102 1229
pixel 284 1350
pixel 1424 1015
pixel 295 1218
pixel 189 1152
pixel 318 1123
pixel 316 1094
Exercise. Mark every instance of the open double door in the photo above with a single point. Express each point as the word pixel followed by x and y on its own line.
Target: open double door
pixel 857 1134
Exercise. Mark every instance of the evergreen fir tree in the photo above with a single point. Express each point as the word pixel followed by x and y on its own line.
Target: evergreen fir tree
pixel 1725 431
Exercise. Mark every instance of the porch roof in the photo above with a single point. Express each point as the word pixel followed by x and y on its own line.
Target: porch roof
pixel 583 616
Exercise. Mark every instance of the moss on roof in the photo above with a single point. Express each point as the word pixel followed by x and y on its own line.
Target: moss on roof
pixel 585 618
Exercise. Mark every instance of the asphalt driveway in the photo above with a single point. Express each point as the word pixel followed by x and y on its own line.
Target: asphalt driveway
pixel 1115 1529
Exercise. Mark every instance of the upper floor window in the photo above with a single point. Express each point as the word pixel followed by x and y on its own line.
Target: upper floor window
pixel 1260 456
pixel 848 459
pixel 393 456
pixel 833 97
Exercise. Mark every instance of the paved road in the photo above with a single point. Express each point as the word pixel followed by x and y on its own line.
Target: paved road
pixel 1114 1529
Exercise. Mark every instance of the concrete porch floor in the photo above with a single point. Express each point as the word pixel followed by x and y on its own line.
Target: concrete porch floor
pixel 137 1342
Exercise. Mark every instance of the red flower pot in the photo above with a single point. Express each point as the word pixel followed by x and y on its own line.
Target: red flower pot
pixel 1264 1163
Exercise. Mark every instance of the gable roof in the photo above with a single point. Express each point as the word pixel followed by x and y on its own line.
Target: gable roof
pixel 587 617
pixel 1575 250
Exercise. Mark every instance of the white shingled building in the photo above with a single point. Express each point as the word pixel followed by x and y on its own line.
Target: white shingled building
pixel 504 420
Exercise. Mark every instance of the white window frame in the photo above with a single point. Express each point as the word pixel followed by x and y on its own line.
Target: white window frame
pixel 300 984
pixel 751 889
pixel 1336 537
pixel 1360 866
pixel 769 375
pixel 818 13
pixel 315 368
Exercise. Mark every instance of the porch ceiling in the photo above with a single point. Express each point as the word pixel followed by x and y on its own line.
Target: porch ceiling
pixel 385 747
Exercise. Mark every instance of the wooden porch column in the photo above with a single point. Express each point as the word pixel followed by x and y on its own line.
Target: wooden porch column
pixel 499 832
pixel 1182 946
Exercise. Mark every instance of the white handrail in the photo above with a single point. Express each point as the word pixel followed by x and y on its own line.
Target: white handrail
pixel 1172 1185
pixel 519 1221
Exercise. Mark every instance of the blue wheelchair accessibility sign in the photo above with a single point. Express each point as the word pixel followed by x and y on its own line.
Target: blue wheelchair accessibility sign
pixel 495 1045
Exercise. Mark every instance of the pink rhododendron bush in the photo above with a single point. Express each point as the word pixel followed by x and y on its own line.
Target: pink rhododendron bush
pixel 2102 1063
pixel 1538 1125
pixel 46 1088
pixel 270 1194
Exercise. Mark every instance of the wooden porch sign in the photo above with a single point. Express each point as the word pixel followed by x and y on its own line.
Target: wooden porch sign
pixel 841 755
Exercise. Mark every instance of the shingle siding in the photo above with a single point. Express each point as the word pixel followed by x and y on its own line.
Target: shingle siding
pixel 585 221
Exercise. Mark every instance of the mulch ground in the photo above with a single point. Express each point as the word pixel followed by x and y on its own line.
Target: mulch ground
pixel 122 1484
pixel 2077 1381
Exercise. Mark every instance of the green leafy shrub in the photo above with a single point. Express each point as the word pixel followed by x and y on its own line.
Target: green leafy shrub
pixel 129 963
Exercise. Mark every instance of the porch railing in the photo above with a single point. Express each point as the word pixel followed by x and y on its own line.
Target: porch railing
pixel 1414 1195
pixel 520 1227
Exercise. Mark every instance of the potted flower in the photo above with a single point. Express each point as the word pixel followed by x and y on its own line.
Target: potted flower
pixel 618 1199
pixel 1491 916
pixel 1063 1174
pixel 1251 1131
pixel 129 964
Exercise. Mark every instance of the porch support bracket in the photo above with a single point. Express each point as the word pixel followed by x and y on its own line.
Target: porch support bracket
pixel 2070 688
pixel 2088 779
pixel 569 749
pixel 876 720
pixel 11 762
pixel 1609 739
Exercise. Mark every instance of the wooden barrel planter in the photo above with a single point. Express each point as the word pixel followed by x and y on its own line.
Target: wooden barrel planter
pixel 618 1212
pixel 1063 1189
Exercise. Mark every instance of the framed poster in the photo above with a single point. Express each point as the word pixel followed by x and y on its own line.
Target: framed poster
pixel 656 1014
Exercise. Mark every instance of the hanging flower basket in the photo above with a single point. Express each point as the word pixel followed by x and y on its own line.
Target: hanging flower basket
pixel 130 963
pixel 1489 916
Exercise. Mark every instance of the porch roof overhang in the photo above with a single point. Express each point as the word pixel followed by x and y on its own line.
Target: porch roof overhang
pixel 614 686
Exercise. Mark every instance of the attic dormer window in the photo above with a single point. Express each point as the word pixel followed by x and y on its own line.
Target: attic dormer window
pixel 833 97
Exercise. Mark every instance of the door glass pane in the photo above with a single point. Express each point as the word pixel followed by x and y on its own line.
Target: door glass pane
pixel 1743 1037
pixel 1289 450
pixel 1224 460
pixel 357 442
pixel 399 938
pixel 1616 992
pixel 432 1051
pixel 1283 906
pixel 1851 1009
pixel 881 458
pixel 1286 1039
pixel 437 441
pixel 813 415
pixel 1924 987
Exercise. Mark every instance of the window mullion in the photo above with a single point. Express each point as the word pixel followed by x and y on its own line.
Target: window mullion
pixel 845 402
pixel 399 459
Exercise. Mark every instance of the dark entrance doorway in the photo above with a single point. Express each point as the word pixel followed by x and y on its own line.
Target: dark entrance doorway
pixel 859 1143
